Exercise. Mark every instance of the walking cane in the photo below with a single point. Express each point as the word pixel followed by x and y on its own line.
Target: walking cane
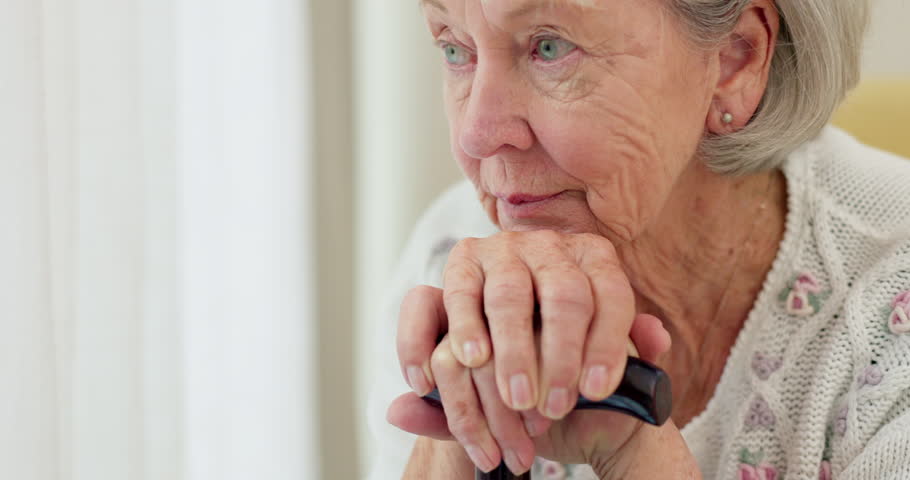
pixel 644 393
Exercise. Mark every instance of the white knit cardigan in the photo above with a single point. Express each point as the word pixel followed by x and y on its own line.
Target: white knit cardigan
pixel 817 385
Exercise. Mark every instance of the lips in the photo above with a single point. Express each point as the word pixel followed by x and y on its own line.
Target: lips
pixel 528 206
pixel 523 198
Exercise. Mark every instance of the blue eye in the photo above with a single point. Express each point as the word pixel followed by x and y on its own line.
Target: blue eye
pixel 552 49
pixel 455 55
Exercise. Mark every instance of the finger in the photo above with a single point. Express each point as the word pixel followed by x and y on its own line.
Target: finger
pixel 535 423
pixel 415 415
pixel 650 338
pixel 566 308
pixel 509 307
pixel 420 322
pixel 464 415
pixel 463 281
pixel 505 424
pixel 605 350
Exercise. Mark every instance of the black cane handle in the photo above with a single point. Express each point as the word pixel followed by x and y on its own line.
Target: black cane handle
pixel 643 393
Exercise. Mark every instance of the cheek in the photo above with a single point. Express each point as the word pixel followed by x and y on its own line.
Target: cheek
pixel 628 139
pixel 615 148
pixel 455 103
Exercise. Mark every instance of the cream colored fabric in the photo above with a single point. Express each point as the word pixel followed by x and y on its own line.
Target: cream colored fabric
pixel 817 383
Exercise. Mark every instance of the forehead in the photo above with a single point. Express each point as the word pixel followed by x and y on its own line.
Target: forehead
pixel 511 9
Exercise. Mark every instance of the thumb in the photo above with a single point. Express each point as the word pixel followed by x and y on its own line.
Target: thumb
pixel 650 337
pixel 415 415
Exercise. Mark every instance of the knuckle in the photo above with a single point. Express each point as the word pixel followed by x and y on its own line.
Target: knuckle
pixel 548 236
pixel 608 280
pixel 506 435
pixel 443 361
pixel 461 423
pixel 565 297
pixel 461 295
pixel 506 294
pixel 466 247
pixel 459 271
pixel 599 243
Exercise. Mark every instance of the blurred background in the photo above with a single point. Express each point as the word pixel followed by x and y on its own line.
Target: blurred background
pixel 201 204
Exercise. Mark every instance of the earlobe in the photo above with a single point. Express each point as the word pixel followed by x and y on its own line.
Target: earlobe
pixel 723 121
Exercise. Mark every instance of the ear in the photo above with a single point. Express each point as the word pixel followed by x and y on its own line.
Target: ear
pixel 745 61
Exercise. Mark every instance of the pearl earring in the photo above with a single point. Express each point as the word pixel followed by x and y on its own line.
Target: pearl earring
pixel 727 118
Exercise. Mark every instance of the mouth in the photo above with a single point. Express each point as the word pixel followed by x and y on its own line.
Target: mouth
pixel 527 206
pixel 524 198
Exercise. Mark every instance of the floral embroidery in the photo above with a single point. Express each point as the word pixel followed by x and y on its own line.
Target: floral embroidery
pixel 824 470
pixel 840 422
pixel 899 320
pixel 804 297
pixel 871 375
pixel 760 414
pixel 764 366
pixel 751 467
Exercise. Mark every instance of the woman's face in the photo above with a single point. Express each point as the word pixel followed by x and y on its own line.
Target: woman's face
pixel 569 117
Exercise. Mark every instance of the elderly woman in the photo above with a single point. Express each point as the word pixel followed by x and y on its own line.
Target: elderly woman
pixel 660 171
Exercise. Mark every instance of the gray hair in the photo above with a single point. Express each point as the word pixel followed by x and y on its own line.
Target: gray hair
pixel 817 61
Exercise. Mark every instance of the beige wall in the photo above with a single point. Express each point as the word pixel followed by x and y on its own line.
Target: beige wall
pixel 402 160
pixel 886 46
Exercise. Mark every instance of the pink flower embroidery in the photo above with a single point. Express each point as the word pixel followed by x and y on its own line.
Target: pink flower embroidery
pixel 760 472
pixel 899 320
pixel 751 466
pixel 806 282
pixel 553 470
pixel 798 303
pixel 803 298
pixel 903 298
pixel 824 471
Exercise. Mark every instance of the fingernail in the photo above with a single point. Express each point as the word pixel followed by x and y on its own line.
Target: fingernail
pixel 521 392
pixel 418 381
pixel 531 429
pixel 557 403
pixel 596 382
pixel 513 461
pixel 471 351
pixel 480 458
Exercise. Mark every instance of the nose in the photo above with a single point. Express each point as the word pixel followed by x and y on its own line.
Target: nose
pixel 495 116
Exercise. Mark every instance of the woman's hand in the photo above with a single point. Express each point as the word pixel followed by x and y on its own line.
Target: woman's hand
pixel 586 311
pixel 491 288
pixel 608 441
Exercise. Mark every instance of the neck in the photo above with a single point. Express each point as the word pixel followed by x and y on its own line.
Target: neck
pixel 701 267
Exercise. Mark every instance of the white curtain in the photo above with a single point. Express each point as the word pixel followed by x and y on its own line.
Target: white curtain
pixel 156 294
pixel 402 159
